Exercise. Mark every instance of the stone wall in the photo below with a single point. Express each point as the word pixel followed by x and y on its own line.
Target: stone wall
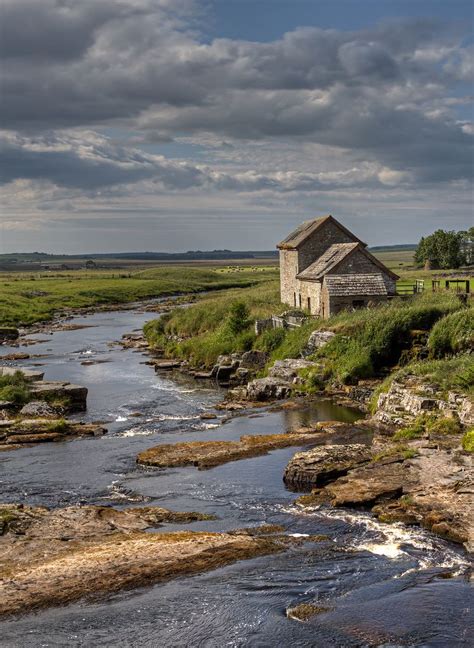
pixel 288 272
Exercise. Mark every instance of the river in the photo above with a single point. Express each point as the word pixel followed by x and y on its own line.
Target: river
pixel 384 585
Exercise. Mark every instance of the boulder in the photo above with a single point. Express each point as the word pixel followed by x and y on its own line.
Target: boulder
pixel 289 369
pixel 317 340
pixel 74 396
pixel 264 389
pixel 254 360
pixel 241 377
pixel 466 412
pixel 324 463
pixel 38 409
pixel 225 367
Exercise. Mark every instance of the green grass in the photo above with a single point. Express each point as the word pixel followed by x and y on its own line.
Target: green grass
pixel 413 431
pixel 205 330
pixel 60 425
pixel 452 334
pixel 372 340
pixel 468 441
pixel 27 298
pixel 428 425
pixel 15 389
pixel 445 374
pixel 366 342
pixel 405 451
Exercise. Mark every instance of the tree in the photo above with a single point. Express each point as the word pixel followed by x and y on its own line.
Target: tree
pixel 238 318
pixel 467 245
pixel 441 249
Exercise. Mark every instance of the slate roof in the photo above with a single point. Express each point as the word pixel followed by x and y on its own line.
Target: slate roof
pixel 306 229
pixel 330 259
pixel 362 285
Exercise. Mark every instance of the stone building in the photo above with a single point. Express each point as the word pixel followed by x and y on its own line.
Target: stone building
pixel 324 269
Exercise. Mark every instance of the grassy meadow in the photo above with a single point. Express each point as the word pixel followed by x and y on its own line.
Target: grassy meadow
pixel 26 298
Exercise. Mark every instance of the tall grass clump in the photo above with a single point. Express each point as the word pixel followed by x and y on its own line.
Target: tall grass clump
pixel 370 341
pixel 452 334
pixel 15 389
pixel 444 374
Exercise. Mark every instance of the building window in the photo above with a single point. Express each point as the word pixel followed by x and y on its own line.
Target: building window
pixel 309 304
pixel 358 303
pixel 294 298
pixel 300 299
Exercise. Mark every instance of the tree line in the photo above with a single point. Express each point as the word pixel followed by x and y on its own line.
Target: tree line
pixel 444 250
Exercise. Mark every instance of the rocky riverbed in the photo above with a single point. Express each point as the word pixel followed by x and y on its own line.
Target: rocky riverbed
pixel 328 564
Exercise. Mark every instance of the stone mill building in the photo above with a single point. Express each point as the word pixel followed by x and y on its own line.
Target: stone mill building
pixel 324 269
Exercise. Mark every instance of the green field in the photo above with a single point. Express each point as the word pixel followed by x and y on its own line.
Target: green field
pixel 26 298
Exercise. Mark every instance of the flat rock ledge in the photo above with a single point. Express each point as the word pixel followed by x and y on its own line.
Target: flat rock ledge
pixel 206 454
pixel 52 558
pixel 20 432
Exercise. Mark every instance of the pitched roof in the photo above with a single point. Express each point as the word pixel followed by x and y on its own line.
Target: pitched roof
pixel 330 259
pixel 333 257
pixel 363 285
pixel 306 229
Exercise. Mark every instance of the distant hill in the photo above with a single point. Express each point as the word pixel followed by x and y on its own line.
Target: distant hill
pixel 404 247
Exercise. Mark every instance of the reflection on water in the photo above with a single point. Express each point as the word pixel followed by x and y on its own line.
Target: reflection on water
pixel 381 584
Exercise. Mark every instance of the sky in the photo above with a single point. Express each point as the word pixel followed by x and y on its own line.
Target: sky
pixel 174 125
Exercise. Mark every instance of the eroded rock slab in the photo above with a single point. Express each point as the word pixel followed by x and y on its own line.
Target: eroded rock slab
pixel 50 558
pixel 324 463
pixel 369 484
pixel 206 454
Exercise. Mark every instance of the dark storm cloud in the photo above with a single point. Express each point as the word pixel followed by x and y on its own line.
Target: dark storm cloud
pixel 77 63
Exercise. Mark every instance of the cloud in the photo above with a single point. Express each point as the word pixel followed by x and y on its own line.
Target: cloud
pixel 315 115
pixel 88 161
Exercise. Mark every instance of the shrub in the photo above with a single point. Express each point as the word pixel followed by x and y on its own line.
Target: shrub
pixel 468 441
pixel 371 340
pixel 444 425
pixel 239 318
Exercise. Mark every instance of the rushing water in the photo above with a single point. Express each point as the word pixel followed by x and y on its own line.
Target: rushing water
pixel 383 585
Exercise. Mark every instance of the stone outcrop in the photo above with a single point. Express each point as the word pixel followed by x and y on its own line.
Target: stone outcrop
pixel 369 484
pixel 324 463
pixel 8 333
pixel 288 370
pixel 73 397
pixel 267 389
pixel 406 400
pixel 29 375
pixel 283 378
pixel 317 340
pixel 254 360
